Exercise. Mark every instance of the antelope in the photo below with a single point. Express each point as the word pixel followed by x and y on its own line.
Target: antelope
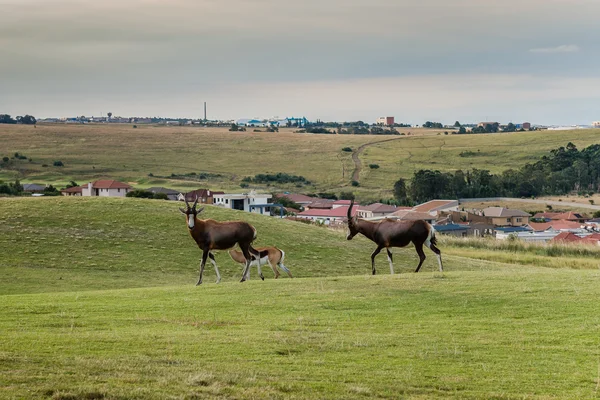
pixel 266 255
pixel 213 235
pixel 390 233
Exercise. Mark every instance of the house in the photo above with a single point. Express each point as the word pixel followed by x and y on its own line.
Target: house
pixel 33 188
pixel 410 215
pixel 249 202
pixel 328 216
pixel 105 188
pixel 596 124
pixel 434 207
pixel 171 194
pixel 557 226
pixel 72 191
pixel 300 199
pixel 458 230
pixel 385 121
pixel 526 126
pixel 571 216
pixel 321 204
pixel 377 210
pixel 204 196
pixel 566 237
pixel 500 216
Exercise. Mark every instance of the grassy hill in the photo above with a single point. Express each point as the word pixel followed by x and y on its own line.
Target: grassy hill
pixel 121 152
pixel 97 300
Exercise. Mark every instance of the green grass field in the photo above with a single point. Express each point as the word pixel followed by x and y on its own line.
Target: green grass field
pixel 97 300
pixel 117 151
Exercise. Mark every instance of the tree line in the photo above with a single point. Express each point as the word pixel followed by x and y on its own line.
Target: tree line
pixel 26 120
pixel 564 170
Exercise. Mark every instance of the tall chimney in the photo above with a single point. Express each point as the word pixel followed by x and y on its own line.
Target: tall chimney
pixel 205 111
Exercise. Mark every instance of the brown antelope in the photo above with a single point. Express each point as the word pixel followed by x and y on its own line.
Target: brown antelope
pixel 213 235
pixel 266 255
pixel 390 233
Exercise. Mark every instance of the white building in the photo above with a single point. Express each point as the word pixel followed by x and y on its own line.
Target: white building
pixel 249 202
pixel 596 124
pixel 105 188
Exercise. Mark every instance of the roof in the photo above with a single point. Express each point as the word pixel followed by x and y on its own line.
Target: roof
pixel 435 205
pixel 450 228
pixel 110 184
pixel 201 193
pixel 73 189
pixel 511 229
pixel 566 237
pixel 503 212
pixel 33 186
pixel 320 203
pixel 338 212
pixel 411 215
pixel 556 225
pixel 343 202
pixel 297 198
pixel 381 208
pixel 570 216
pixel 158 189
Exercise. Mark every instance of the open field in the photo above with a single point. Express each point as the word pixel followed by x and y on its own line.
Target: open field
pixel 118 151
pixel 97 300
pixel 527 206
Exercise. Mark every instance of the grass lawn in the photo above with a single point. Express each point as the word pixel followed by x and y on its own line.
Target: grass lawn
pixel 97 300
pixel 121 152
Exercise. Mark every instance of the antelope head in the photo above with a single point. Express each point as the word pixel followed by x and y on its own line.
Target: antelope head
pixel 352 223
pixel 191 213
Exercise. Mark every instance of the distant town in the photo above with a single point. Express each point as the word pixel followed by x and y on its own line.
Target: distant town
pixel 296 122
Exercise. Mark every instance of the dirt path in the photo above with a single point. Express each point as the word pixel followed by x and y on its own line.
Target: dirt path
pixel 356 159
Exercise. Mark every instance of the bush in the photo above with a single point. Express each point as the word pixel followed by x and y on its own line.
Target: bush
pixel 347 196
pixel 596 214
pixel 374 166
pixel 347 149
pixel 244 185
pixel 5 159
pixel 58 164
pixel 150 174
pixel 161 196
pixel 143 194
pixel 280 177
pixel 135 126
pixel 355 183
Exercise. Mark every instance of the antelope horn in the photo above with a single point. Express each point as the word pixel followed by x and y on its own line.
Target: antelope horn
pixel 350 211
pixel 195 203
pixel 186 202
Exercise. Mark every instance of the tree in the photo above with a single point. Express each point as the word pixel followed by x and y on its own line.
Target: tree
pixel 234 128
pixel 26 120
pixel 6 119
pixel 400 193
pixel 510 127
pixel 109 115
pixel 347 196
pixel 457 124
pixel 462 130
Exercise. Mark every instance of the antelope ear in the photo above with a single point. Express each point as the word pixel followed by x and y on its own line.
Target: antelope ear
pixel 182 210
pixel 200 210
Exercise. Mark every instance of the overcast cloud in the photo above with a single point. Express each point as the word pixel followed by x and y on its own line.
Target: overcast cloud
pixel 440 60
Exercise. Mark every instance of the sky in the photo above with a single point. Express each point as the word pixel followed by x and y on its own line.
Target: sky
pixel 417 60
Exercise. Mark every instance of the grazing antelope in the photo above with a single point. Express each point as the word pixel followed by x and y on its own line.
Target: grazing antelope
pixel 266 255
pixel 213 235
pixel 390 233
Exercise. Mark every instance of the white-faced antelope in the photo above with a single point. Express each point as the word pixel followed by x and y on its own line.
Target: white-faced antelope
pixel 213 235
pixel 391 233
pixel 266 255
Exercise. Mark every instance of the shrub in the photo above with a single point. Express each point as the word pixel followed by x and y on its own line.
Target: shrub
pixel 161 196
pixel 144 194
pixel 596 214
pixel 347 149
pixel 244 185
pixel 374 166
pixel 58 163
pixel 347 196
pixel 591 201
pixel 150 174
pixel 45 165
pixel 445 133
pixel 135 126
pixel 5 159
pixel 355 183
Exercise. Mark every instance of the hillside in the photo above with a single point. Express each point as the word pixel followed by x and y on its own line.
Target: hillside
pixel 225 158
pixel 97 301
